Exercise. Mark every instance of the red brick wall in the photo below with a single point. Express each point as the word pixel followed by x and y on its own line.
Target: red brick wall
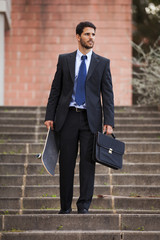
pixel 42 29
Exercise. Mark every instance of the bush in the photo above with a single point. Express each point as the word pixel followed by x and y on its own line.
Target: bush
pixel 146 74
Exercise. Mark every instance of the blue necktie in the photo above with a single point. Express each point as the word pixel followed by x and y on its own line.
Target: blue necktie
pixel 80 90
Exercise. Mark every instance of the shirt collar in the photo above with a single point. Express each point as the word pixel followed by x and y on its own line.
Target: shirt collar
pixel 79 54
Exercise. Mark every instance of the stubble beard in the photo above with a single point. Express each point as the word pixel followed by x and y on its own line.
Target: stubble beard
pixel 83 44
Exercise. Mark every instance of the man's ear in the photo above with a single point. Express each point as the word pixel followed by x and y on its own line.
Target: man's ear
pixel 78 37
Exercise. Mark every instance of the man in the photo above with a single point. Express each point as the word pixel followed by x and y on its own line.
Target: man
pixel 74 110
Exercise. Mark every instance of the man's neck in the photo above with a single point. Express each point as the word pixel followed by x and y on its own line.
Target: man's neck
pixel 83 50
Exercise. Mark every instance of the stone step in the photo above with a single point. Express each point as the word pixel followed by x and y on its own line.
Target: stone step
pixel 17 158
pixel 34 169
pixel 22 121
pixel 126 140
pixel 58 235
pixel 27 189
pixel 40 113
pixel 129 140
pixel 53 191
pixel 122 222
pixel 137 134
pixel 134 127
pixel 25 136
pixel 142 147
pixel 36 140
pixel 21 114
pixel 74 211
pixel 18 148
pixel 137 157
pixel 11 169
pixel 81 235
pixel 97 203
pixel 40 137
pixel 27 108
pixel 40 121
pixel 100 179
pixel 117 108
pixel 11 180
pixel 132 191
pixel 5 128
pixel 134 108
pixel 11 192
pixel 133 120
pixel 8 128
pixel 138 114
pixel 14 148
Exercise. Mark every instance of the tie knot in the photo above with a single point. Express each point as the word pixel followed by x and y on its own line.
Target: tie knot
pixel 83 57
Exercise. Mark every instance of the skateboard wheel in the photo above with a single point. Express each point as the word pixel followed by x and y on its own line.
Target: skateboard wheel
pixel 39 155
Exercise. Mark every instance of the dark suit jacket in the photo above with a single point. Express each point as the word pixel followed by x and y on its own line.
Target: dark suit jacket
pixel 98 83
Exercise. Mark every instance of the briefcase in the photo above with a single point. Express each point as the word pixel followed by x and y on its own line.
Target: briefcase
pixel 108 151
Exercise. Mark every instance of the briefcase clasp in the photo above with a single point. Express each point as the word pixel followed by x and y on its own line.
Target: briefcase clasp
pixel 110 150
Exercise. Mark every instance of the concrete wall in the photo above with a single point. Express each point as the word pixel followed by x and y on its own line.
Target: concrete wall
pixel 42 29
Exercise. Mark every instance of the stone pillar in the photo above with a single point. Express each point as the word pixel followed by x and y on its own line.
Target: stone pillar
pixel 5 7
pixel 2 28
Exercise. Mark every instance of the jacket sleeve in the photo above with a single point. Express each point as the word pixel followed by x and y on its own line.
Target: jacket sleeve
pixel 107 96
pixel 54 92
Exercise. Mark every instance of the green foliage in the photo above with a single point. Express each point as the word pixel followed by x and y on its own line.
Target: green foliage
pixel 60 227
pixel 146 20
pixel 146 74
pixel 132 194
pixel 54 196
pixel 42 170
pixel 140 228
pixel 16 230
pixel 106 184
pixel 47 195
pixel 6 212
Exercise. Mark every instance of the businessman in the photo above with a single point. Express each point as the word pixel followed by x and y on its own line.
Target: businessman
pixel 80 94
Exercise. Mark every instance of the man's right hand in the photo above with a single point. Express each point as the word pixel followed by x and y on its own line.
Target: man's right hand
pixel 49 124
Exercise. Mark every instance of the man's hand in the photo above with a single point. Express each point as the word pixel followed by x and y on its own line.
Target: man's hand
pixel 49 124
pixel 108 129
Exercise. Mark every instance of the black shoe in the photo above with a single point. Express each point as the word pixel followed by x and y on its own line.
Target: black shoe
pixel 65 211
pixel 82 211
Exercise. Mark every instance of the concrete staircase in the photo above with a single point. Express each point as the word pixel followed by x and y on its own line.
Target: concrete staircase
pixel 126 203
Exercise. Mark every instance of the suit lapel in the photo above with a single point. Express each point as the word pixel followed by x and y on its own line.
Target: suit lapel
pixel 93 63
pixel 71 62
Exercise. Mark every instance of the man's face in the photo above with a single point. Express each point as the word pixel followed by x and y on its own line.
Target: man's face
pixel 87 38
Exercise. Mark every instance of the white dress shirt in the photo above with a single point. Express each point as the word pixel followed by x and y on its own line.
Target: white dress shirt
pixel 77 66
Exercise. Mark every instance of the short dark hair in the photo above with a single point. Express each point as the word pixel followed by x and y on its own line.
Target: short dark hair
pixel 82 25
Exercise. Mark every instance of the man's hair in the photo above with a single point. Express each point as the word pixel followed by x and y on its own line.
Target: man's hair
pixel 82 25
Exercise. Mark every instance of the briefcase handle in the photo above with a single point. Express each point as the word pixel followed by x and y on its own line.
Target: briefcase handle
pixel 113 135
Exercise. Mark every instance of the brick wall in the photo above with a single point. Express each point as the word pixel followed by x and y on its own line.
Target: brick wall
pixel 42 29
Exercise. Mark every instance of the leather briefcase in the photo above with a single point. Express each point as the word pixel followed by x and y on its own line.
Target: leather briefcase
pixel 108 151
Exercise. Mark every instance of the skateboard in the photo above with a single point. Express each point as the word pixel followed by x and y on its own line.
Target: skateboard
pixel 50 152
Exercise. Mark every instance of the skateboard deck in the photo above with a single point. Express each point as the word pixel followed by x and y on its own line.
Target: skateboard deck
pixel 50 152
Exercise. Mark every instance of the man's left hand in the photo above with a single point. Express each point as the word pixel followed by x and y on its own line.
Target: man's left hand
pixel 108 129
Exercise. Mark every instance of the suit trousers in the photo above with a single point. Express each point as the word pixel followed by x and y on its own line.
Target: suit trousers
pixel 74 131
